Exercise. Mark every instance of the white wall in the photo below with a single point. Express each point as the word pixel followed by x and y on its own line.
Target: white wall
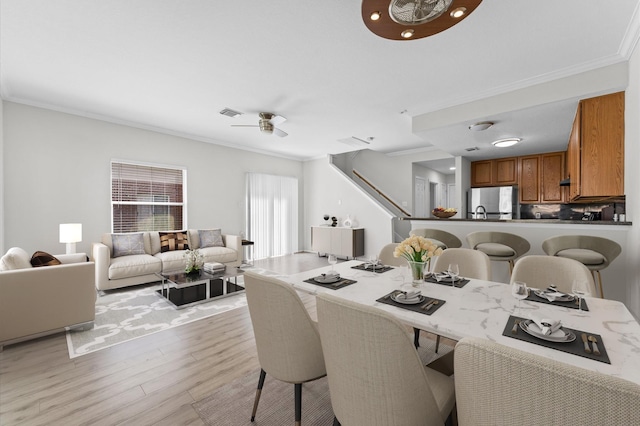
pixel 329 191
pixel 632 181
pixel 57 170
pixel 2 171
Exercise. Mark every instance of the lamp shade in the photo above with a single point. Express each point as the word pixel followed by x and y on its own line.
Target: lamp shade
pixel 70 232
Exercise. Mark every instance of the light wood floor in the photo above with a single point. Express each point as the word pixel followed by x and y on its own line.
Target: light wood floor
pixel 148 381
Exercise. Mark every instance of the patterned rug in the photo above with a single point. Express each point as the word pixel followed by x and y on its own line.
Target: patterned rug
pixel 123 315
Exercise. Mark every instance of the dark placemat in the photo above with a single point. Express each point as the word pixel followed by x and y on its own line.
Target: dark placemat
pixel 343 282
pixel 367 267
pixel 447 281
pixel 572 304
pixel 415 308
pixel 576 347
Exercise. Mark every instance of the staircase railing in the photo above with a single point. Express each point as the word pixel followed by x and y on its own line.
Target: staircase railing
pixel 382 194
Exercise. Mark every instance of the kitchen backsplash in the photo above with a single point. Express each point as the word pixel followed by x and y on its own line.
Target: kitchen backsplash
pixel 571 211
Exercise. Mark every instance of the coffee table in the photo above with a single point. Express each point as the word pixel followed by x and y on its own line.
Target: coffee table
pixel 182 290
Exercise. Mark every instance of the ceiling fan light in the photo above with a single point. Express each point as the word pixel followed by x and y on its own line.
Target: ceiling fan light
pixel 503 143
pixel 407 34
pixel 458 12
pixel 375 15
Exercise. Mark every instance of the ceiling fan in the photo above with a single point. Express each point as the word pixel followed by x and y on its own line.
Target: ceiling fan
pixel 267 124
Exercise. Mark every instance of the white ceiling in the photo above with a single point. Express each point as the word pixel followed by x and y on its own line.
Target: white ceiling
pixel 172 66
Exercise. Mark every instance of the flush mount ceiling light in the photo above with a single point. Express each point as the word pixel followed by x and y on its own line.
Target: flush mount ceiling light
pixel 480 126
pixel 503 143
pixel 412 19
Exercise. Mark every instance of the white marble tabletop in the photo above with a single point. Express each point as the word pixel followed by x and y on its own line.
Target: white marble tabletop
pixel 482 308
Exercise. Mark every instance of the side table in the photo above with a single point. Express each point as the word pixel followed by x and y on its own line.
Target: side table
pixel 249 246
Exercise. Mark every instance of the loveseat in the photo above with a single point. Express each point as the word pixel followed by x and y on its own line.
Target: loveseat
pixel 36 301
pixel 130 259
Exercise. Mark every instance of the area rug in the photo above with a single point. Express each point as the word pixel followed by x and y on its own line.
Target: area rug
pixel 231 404
pixel 132 313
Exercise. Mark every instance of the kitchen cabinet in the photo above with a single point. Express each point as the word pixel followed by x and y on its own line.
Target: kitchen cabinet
pixel 343 242
pixel 540 176
pixel 498 172
pixel 596 149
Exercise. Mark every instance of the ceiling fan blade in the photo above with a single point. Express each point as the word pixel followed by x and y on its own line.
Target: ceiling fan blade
pixel 277 119
pixel 279 132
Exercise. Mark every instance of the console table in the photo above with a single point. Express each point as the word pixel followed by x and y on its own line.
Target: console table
pixel 340 241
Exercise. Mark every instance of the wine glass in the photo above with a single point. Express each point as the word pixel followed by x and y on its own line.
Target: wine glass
pixel 453 270
pixel 332 259
pixel 520 291
pixel 374 262
pixel 580 289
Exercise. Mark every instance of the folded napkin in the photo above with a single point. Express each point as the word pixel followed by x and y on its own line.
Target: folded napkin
pixel 552 295
pixel 329 276
pixel 409 295
pixel 547 325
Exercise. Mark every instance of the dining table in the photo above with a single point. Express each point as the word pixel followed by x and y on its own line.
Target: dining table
pixel 487 309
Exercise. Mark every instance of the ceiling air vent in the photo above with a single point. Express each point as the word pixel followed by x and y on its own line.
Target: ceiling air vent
pixel 475 148
pixel 230 113
pixel 354 141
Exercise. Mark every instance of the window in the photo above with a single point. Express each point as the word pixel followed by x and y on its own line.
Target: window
pixel 272 214
pixel 147 198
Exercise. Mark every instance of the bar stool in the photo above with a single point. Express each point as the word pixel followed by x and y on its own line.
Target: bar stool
pixel 442 239
pixel 499 246
pixel 596 253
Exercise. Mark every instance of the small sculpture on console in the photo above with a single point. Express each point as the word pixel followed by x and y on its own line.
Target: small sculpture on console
pixel 334 221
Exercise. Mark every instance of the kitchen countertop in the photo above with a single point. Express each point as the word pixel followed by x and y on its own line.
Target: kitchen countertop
pixel 540 221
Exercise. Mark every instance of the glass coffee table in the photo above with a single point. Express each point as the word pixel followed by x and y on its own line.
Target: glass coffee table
pixel 183 290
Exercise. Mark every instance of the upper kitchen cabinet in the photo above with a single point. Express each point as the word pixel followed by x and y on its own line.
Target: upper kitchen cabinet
pixel 498 172
pixel 595 156
pixel 540 176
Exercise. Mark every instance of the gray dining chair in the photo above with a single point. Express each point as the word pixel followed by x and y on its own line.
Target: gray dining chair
pixel 540 271
pixel 596 253
pixel 387 258
pixel 501 386
pixel 287 339
pixel 375 375
pixel 442 239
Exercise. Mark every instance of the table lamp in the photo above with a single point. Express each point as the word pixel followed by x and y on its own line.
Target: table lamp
pixel 70 233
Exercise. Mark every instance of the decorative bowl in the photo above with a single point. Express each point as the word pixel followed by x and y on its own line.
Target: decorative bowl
pixel 443 215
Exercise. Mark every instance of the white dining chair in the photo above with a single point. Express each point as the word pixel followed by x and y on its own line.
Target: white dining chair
pixel 540 271
pixel 471 263
pixel 287 339
pixel 375 375
pixel 387 258
pixel 501 386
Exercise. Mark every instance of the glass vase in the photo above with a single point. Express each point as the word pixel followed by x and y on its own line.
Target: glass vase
pixel 417 272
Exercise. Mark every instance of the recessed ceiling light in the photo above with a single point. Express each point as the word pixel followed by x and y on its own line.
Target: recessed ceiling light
pixel 482 125
pixel 503 143
pixel 407 34
pixel 458 12
pixel 375 15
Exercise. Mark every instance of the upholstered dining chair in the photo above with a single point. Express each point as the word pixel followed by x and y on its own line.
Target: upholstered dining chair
pixel 540 271
pixel 287 339
pixel 442 239
pixel 498 385
pixel 472 263
pixel 375 375
pixel 596 253
pixel 499 246
pixel 387 258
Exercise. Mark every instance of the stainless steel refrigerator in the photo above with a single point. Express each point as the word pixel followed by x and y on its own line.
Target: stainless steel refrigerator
pixel 499 202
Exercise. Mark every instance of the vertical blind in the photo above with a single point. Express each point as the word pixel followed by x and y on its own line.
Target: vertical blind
pixel 147 198
pixel 272 214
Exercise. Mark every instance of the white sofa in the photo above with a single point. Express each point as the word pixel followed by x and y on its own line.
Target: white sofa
pixel 116 272
pixel 37 301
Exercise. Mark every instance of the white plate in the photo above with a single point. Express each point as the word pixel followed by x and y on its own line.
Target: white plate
pixel 559 336
pixel 412 301
pixel 327 280
pixel 559 298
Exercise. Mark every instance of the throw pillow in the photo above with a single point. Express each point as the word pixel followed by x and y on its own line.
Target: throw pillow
pixel 170 241
pixel 42 258
pixel 15 258
pixel 127 244
pixel 210 238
